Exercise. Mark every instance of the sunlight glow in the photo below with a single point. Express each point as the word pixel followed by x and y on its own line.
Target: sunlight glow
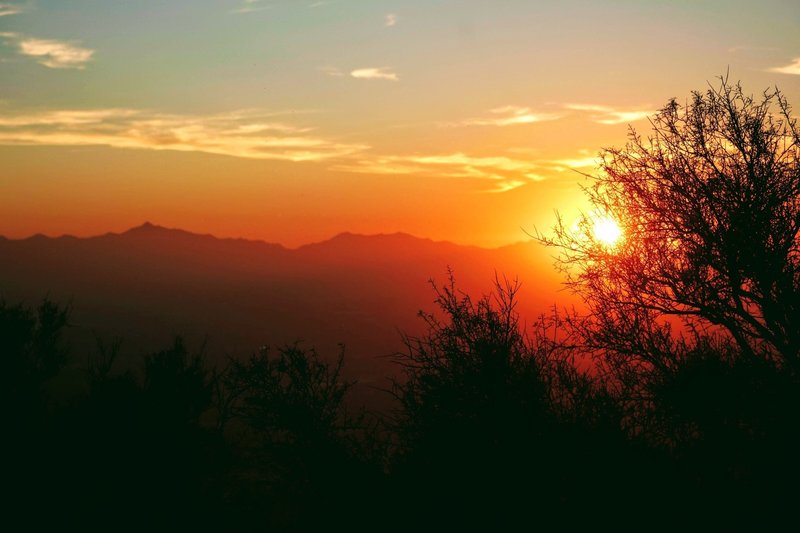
pixel 606 230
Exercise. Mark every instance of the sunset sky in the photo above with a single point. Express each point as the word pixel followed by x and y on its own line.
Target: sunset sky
pixel 294 120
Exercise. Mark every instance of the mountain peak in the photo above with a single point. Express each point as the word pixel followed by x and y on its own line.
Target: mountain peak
pixel 149 229
pixel 146 226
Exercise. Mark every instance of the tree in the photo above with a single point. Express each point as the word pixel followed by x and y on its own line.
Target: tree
pixel 294 397
pixel 493 417
pixel 709 204
pixel 31 342
pixel 298 460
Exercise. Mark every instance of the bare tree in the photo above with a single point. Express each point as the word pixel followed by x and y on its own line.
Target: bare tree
pixel 709 205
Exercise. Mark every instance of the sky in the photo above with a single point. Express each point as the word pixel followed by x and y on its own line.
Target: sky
pixel 294 120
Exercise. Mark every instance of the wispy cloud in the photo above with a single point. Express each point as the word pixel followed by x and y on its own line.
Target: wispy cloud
pixel 582 160
pixel 246 134
pixel 509 116
pixel 603 114
pixel 332 71
pixel 51 53
pixel 504 173
pixel 390 20
pixel 574 163
pixel 249 6
pixel 373 73
pixel 506 186
pixel 579 160
pixel 9 9
pixel 749 48
pixel 791 68
pixel 64 118
pixel 56 54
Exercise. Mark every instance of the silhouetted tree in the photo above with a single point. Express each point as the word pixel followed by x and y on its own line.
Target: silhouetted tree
pixel 492 420
pixel 299 461
pixel 177 385
pixel 139 441
pixel 31 345
pixel 692 316
pixel 709 203
pixel 32 352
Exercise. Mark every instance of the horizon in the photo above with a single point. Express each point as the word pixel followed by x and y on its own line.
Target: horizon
pixel 156 226
pixel 291 122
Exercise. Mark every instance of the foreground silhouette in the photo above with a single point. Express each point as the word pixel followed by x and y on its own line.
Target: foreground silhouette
pixel 492 428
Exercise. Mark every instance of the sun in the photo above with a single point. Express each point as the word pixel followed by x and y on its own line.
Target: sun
pixel 606 230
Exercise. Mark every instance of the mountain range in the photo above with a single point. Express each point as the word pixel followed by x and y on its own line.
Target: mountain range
pixel 232 296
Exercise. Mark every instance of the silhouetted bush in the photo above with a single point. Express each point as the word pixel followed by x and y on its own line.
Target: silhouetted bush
pixel 298 459
pixel 32 347
pixel 496 427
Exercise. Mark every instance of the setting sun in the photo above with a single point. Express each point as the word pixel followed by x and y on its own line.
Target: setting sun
pixel 606 230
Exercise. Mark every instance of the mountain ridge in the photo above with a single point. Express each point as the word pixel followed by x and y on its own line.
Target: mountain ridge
pixel 151 229
pixel 149 283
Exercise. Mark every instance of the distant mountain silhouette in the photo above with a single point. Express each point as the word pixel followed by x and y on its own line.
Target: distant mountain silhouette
pixel 150 282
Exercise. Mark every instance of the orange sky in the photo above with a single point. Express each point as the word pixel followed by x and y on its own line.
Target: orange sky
pixel 292 121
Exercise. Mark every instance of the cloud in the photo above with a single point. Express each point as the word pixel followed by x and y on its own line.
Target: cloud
pixel 509 116
pixel 245 134
pixel 390 20
pixel 608 115
pixel 749 48
pixel 332 71
pixel 51 53
pixel 507 186
pixel 791 68
pixel 64 118
pixel 504 173
pixel 249 6
pixel 578 162
pixel 372 73
pixel 9 9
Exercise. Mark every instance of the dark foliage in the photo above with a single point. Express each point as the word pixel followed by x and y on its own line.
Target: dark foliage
pixel 497 428
pixel 32 346
pixel 298 460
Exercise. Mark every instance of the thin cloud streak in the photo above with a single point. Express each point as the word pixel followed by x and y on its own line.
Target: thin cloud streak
pixel 332 71
pixel 506 186
pixel 792 68
pixel 249 6
pixel 9 9
pixel 510 116
pixel 64 118
pixel 603 114
pixel 244 134
pixel 582 162
pixel 374 73
pixel 504 173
